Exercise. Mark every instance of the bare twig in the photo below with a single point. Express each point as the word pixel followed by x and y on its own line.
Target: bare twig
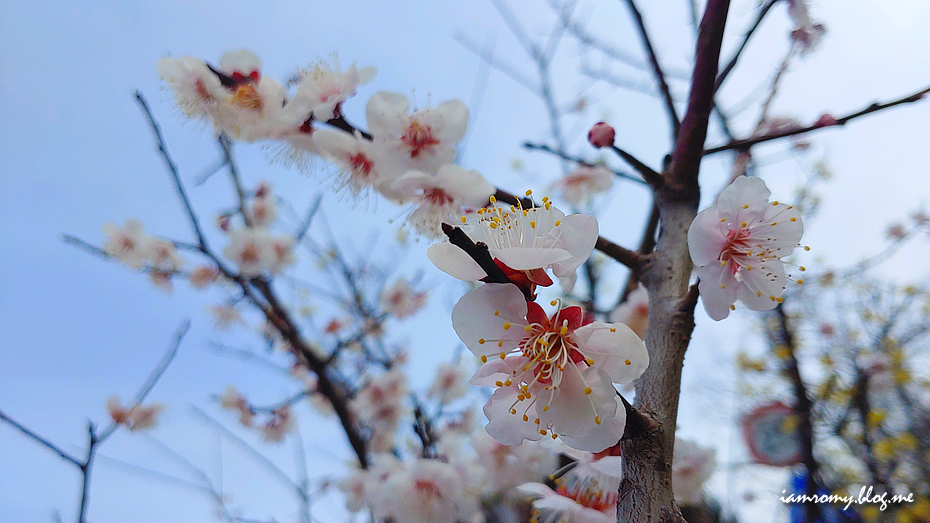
pixel 172 169
pixel 746 37
pixel 656 67
pixel 40 440
pixel 840 121
pixel 581 161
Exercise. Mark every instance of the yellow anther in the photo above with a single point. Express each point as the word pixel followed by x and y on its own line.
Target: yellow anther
pixel 484 359
pixel 800 282
pixel 613 329
pixel 492 199
pixel 545 199
pixel 732 307
pixel 502 355
pixel 527 328
pixel 587 390
pixel 748 268
pixel 554 436
pixel 597 419
pixel 746 206
pixel 543 432
pixel 500 343
pixel 563 331
pixel 759 293
pixel 791 207
pixel 481 341
pixel 557 222
pixel 513 411
pixel 775 202
pixel 722 220
pixel 492 225
pixel 506 326
pixel 548 205
pixel 806 248
pixel 526 418
pixel 545 408
pixel 723 285
pixel 497 313
pixel 499 383
pixel 553 302
pixel 537 421
pixel 780 300
pixel 744 224
pixel 528 192
pixel 773 224
pixel 794 219
pixel 464 219
pixel 532 225
pixel 589 361
pixel 628 362
pixel 521 397
pixel 802 268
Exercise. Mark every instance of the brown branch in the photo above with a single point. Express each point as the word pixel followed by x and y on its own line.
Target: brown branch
pixel 802 408
pixel 638 424
pixel 745 144
pixel 577 159
pixel 632 259
pixel 653 178
pixel 686 157
pixel 656 67
pixel 482 256
pixel 746 37
pixel 646 244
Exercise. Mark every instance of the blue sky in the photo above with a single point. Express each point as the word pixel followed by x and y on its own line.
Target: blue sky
pixel 77 154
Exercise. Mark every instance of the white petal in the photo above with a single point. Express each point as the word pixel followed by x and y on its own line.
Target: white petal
pixel 578 236
pixel 705 240
pixel 718 290
pixel 571 411
pixel 474 318
pixel 454 116
pixel 386 113
pixel 505 427
pixel 455 262
pixel 615 348
pixel 744 190
pixel 602 436
pixel 526 258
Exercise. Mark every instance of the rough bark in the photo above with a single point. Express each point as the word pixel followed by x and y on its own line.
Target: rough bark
pixel 646 491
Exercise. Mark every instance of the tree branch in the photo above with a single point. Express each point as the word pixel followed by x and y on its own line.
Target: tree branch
pixel 577 159
pixel 841 121
pixel 656 67
pixel 40 440
pixel 746 37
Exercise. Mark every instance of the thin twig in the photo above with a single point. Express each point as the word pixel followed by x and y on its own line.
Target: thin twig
pixel 843 120
pixel 172 169
pixel 746 37
pixel 656 67
pixel 39 439
pixel 581 161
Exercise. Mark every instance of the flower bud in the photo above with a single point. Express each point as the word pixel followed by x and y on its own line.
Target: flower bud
pixel 601 135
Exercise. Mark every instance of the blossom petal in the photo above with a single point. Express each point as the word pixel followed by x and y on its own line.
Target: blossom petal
pixel 572 412
pixel 578 235
pixel 615 348
pixel 705 239
pixel 486 314
pixel 505 426
pixel 744 191
pixel 718 289
pixel 525 258
pixel 455 262
pixel 602 436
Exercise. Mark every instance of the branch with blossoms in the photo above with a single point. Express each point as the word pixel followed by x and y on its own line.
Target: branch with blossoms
pixel 553 369
pixel 134 416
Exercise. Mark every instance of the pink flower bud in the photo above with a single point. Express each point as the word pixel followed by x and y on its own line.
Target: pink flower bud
pixel 601 135
pixel 825 120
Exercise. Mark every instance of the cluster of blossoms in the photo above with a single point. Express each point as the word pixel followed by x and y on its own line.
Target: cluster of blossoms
pixel 738 245
pixel 380 405
pixel 254 248
pixel 587 493
pixel 133 247
pixel 580 186
pixel 407 157
pixel 134 418
pixel 553 373
pixel 278 424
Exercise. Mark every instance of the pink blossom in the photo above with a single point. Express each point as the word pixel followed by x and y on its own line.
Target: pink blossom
pixel 450 384
pixel 553 374
pixel 737 245
pixel 584 183
pixel 129 244
pixel 634 312
pixel 401 301
pixel 691 467
pixel 323 88
pixel 423 140
pixel 278 425
pixel 440 197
